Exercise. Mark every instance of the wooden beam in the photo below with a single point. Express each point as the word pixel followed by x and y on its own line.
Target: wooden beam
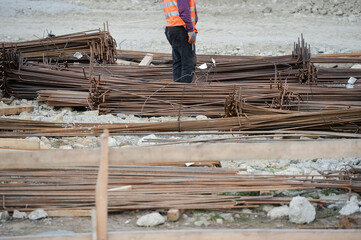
pixel 285 150
pixel 19 144
pixel 234 234
pixel 13 110
pixel 69 213
pixel 147 60
pixel 101 191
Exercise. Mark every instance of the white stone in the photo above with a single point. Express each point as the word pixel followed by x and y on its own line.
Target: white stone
pixel 351 207
pixel 201 117
pixel 4 215
pixel 356 66
pixel 38 214
pixel 33 139
pixel 301 211
pixel 198 223
pixel 227 216
pixel 66 147
pixel 219 220
pixel 45 146
pixel 19 215
pixel 112 142
pixel 25 117
pixel 151 220
pixel 247 211
pixel 278 212
pixel 267 208
pixel 78 146
pixel 352 80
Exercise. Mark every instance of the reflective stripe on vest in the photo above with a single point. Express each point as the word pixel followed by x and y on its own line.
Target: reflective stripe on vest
pixel 172 13
pixel 168 4
pixel 192 4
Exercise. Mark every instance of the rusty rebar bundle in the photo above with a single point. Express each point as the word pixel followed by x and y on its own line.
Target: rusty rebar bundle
pixel 82 46
pixel 157 187
pixel 266 120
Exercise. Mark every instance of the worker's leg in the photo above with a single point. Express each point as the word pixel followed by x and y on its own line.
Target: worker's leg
pixel 188 56
pixel 173 38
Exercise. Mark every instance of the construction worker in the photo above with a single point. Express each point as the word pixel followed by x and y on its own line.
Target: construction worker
pixel 181 33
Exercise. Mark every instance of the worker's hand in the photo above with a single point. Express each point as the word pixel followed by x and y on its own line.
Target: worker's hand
pixel 192 37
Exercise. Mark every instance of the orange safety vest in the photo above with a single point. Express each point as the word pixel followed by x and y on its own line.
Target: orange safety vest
pixel 172 14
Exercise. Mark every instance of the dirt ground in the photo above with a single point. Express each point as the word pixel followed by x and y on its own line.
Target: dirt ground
pixel 126 221
pixel 237 27
pixel 243 27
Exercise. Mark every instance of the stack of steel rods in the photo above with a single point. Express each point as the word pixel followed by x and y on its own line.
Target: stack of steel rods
pixel 337 75
pixel 79 46
pixel 155 187
pixel 35 77
pixel 64 98
pixel 333 120
pixel 337 58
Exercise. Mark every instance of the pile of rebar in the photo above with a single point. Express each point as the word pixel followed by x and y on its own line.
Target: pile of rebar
pixel 29 79
pixel 82 46
pixel 333 120
pixel 132 187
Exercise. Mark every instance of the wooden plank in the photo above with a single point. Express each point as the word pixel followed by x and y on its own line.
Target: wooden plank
pixel 69 213
pixel 147 60
pixel 19 144
pixel 101 191
pixel 285 150
pixel 231 234
pixel 14 110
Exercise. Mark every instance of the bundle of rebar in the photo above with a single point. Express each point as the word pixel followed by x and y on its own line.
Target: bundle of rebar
pixel 82 46
pixel 31 78
pixel 333 120
pixel 63 98
pixel 139 187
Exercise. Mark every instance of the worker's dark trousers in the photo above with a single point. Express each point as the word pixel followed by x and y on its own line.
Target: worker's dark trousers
pixel 184 57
